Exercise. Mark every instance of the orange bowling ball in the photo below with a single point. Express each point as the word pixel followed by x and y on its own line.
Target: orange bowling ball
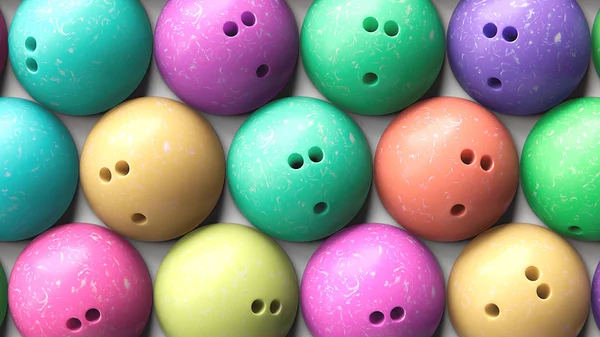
pixel 446 169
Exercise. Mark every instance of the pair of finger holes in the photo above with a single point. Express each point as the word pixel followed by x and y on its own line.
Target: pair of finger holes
pixel 467 156
pixel 258 307
pixel 377 317
pixel 390 28
pixel 510 34
pixel 231 29
pixel 92 316
pixel 296 161
pixel 121 168
pixel 31 63
pixel 543 291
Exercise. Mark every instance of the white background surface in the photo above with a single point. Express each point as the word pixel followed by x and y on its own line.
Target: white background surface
pixel 300 86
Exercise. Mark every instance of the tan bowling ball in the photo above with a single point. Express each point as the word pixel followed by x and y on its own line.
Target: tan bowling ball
pixel 152 169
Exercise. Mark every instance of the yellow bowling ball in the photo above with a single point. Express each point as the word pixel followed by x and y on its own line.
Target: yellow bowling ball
pixel 152 169
pixel 226 280
pixel 518 280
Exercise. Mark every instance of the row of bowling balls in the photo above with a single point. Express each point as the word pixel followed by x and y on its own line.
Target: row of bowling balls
pixel 370 57
pixel 233 281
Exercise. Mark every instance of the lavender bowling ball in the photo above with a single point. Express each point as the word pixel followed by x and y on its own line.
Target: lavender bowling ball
pixel 596 295
pixel 226 57
pixel 519 57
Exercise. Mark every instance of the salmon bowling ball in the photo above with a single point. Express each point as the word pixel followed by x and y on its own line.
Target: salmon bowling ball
pixel 559 169
pixel 80 57
pixel 596 42
pixel 518 57
pixel 226 280
pixel 80 279
pixel 518 280
pixel 3 43
pixel 299 169
pixel 226 57
pixel 152 169
pixel 446 169
pixel 372 57
pixel 40 169
pixel 373 280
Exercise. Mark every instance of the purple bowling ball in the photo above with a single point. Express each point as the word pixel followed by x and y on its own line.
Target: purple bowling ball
pixel 596 295
pixel 3 43
pixel 226 57
pixel 519 57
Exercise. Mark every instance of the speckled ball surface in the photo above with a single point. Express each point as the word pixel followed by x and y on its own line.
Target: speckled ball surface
pixel 299 169
pixel 80 57
pixel 3 43
pixel 559 169
pixel 446 169
pixel 518 280
pixel 152 169
pixel 596 42
pixel 372 280
pixel 372 57
pixel 520 57
pixel 80 280
pixel 226 280
pixel 39 173
pixel 226 57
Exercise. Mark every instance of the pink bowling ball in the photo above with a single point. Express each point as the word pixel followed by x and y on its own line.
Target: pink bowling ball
pixel 226 57
pixel 80 279
pixel 3 43
pixel 373 280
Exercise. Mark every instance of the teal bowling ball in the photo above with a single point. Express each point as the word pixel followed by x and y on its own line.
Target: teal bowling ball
pixel 80 57
pixel 39 169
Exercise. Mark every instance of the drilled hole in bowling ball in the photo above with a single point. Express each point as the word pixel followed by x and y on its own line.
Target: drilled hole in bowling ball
pixel 543 291
pixel 492 310
pixel 262 70
pixel 122 168
pixel 510 34
pixel 490 30
pixel 376 318
pixel 467 156
pixel 458 210
pixel 230 28
pixel 391 28
pixel 320 208
pixel 105 175
pixel 486 163
pixel 315 154
pixel 31 44
pixel 275 307
pixel 370 24
pixel 248 19
pixel 73 324
pixel 532 273
pixel 397 314
pixel 494 83
pixel 295 161
pixel 92 315
pixel 139 219
pixel 575 230
pixel 370 78
pixel 258 307
pixel 32 65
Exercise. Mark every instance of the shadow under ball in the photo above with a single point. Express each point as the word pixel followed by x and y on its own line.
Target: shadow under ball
pixel 518 280
pixel 519 57
pixel 226 280
pixel 372 57
pixel 40 167
pixel 3 43
pixel 80 57
pixel 596 43
pixel 152 169
pixel 80 280
pixel 299 169
pixel 559 169
pixel 226 57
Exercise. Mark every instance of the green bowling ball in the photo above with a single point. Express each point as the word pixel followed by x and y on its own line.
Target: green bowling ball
pixel 299 169
pixel 596 42
pixel 3 295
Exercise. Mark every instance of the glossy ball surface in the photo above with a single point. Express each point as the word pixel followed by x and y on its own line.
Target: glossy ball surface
pixel 596 295
pixel 446 169
pixel 227 280
pixel 226 57
pixel 80 279
pixel 152 169
pixel 299 169
pixel 518 280
pixel 559 169
pixel 3 43
pixel 373 280
pixel 519 57
pixel 372 57
pixel 40 169
pixel 596 42
pixel 80 57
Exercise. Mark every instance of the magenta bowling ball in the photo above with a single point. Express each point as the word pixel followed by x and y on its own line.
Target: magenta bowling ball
pixel 80 280
pixel 3 43
pixel 372 280
pixel 226 57
pixel 519 57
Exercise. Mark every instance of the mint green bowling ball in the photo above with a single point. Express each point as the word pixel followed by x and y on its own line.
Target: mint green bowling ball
pixel 80 57
pixel 299 169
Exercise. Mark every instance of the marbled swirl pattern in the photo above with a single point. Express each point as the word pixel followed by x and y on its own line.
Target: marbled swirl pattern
pixel 71 269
